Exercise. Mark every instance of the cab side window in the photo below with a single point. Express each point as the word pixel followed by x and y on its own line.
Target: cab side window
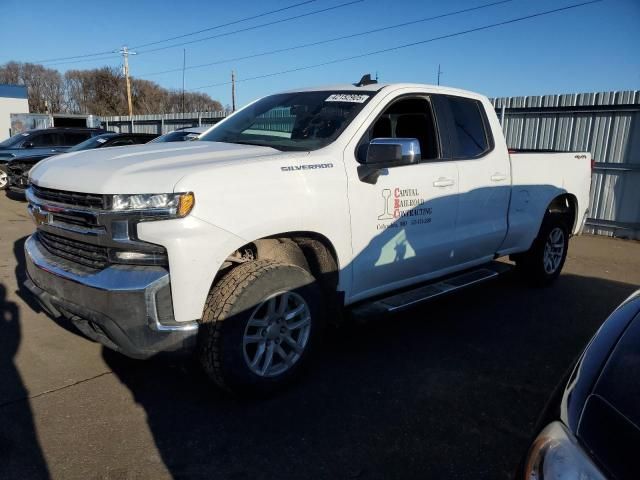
pixel 44 140
pixel 466 127
pixel 407 118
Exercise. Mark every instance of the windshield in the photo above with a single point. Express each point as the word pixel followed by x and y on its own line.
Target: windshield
pixel 177 136
pixel 12 142
pixel 291 121
pixel 93 142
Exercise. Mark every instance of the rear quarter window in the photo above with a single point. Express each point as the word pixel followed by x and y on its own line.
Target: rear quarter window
pixel 74 138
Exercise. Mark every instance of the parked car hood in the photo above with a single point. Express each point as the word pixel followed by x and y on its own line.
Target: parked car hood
pixel 150 168
pixel 602 402
pixel 31 159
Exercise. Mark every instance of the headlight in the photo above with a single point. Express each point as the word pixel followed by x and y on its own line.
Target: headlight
pixel 556 455
pixel 177 204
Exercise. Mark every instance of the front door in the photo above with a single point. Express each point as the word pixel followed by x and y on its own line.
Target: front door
pixel 403 226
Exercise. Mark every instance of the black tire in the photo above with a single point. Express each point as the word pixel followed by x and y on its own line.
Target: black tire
pixel 237 298
pixel 4 179
pixel 531 264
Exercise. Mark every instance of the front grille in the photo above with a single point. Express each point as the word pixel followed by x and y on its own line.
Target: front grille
pixel 85 254
pixel 80 219
pixel 18 168
pixel 88 200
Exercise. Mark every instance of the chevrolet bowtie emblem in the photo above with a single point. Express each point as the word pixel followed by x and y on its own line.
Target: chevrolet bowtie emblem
pixel 39 216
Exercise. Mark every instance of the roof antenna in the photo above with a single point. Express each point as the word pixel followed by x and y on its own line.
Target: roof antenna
pixel 365 80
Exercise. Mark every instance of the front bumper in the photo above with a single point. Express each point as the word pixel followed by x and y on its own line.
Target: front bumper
pixel 126 308
pixel 18 183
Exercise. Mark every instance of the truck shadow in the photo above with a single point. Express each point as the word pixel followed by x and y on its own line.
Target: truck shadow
pixel 448 389
pixel 20 452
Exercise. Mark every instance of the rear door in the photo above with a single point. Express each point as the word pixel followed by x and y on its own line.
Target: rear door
pixel 403 226
pixel 484 178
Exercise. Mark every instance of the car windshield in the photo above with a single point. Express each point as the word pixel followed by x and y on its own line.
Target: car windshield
pixel 177 136
pixel 13 141
pixel 93 142
pixel 291 121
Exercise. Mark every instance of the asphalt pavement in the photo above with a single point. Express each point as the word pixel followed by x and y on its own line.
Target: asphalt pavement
pixel 448 390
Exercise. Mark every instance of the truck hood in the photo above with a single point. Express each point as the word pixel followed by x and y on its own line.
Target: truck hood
pixel 150 168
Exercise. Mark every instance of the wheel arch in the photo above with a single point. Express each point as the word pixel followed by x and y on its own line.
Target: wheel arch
pixel 565 204
pixel 309 250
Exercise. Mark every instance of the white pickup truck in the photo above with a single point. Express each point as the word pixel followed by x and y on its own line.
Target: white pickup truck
pixel 243 245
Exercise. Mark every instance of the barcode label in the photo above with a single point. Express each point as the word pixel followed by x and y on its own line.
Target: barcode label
pixel 347 98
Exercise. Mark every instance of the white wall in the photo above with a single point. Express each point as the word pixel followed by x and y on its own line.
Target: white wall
pixel 7 107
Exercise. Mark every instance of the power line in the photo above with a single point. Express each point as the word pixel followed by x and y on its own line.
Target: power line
pixel 225 24
pixel 108 57
pixel 86 55
pixel 254 27
pixel 406 45
pixel 234 22
pixel 334 39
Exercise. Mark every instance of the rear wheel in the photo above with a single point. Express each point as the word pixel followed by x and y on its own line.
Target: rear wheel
pixel 543 262
pixel 260 326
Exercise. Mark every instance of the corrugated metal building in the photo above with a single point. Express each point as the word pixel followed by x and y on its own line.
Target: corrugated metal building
pixel 606 124
pixel 160 123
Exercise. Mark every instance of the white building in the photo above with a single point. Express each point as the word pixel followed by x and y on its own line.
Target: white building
pixel 13 99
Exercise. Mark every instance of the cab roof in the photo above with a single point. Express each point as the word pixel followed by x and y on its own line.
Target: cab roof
pixel 376 87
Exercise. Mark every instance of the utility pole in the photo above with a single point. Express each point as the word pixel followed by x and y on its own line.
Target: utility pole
pixel 439 73
pixel 125 52
pixel 233 90
pixel 184 64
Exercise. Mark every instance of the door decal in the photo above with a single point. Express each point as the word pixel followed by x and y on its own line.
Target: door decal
pixel 400 203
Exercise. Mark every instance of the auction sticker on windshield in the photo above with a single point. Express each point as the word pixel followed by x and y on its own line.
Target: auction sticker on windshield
pixel 348 98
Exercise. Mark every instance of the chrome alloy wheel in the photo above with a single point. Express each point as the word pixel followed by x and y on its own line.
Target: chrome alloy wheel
pixel 276 334
pixel 4 179
pixel 553 250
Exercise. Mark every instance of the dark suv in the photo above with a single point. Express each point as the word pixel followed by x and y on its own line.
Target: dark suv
pixel 18 168
pixel 44 143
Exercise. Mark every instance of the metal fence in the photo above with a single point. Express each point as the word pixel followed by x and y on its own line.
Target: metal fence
pixel 608 125
pixel 160 123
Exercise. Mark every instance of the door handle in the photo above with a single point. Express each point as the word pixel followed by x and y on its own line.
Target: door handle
pixel 498 177
pixel 443 182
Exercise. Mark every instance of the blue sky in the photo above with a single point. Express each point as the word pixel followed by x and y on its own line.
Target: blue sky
pixel 592 48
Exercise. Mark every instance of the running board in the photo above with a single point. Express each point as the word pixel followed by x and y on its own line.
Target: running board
pixel 406 299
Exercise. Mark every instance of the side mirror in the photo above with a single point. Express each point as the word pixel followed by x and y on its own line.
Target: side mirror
pixel 391 152
pixel 386 153
pixel 28 144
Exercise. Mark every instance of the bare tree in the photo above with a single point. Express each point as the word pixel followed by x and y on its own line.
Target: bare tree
pixel 99 91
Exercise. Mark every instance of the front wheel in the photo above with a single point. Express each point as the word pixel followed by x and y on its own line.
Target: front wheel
pixel 543 262
pixel 260 326
pixel 4 179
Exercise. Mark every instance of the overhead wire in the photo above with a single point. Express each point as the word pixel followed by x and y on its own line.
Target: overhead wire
pixel 329 40
pixel 155 42
pixel 406 45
